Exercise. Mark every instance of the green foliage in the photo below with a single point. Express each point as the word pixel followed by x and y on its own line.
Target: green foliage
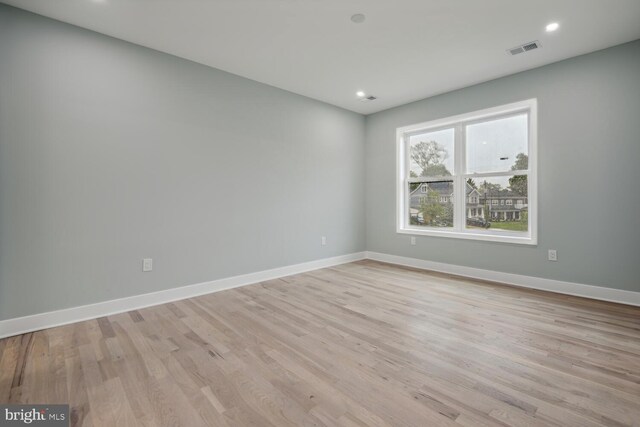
pixel 430 208
pixel 447 215
pixel 436 170
pixel 522 162
pixel 414 221
pixel 489 187
pixel 429 155
pixel 518 184
pixel 472 183
pixel 509 225
pixel 487 215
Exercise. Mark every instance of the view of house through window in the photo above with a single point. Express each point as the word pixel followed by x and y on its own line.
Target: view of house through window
pixel 470 177
pixel 432 204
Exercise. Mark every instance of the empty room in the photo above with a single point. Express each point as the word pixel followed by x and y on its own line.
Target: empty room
pixel 356 213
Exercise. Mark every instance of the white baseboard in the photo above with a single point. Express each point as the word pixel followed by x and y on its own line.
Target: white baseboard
pixel 568 288
pixel 21 325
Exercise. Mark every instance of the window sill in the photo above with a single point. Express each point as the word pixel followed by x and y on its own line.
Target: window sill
pixel 487 236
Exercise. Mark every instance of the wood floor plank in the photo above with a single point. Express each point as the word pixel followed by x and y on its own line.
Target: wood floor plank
pixel 360 344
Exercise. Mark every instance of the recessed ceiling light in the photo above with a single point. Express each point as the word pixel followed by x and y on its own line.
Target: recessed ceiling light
pixel 360 94
pixel 552 27
pixel 358 18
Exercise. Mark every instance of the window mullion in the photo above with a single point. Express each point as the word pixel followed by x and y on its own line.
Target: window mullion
pixel 405 184
pixel 459 189
pixel 425 179
pixel 493 174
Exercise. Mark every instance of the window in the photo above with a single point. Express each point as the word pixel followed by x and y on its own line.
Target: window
pixel 481 158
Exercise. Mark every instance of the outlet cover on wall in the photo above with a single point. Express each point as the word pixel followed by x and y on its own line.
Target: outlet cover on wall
pixel 413 240
pixel 323 241
pixel 553 255
pixel 147 264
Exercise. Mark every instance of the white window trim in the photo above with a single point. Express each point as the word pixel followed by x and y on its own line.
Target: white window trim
pixel 459 230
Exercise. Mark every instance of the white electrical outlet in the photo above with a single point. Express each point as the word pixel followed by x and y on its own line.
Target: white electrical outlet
pixel 553 255
pixel 413 240
pixel 147 264
pixel 323 241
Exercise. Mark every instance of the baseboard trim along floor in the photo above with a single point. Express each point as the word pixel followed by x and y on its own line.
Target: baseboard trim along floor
pixel 557 286
pixel 21 325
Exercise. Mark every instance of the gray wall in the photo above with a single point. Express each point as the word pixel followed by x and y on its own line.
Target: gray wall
pixel 111 152
pixel 589 171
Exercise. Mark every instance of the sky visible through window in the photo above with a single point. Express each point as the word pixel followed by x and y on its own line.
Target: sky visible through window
pixel 493 146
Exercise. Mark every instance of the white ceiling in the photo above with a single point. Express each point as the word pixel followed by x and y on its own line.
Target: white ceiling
pixel 405 50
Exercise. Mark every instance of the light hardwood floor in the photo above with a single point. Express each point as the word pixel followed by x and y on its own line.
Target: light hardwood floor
pixel 362 344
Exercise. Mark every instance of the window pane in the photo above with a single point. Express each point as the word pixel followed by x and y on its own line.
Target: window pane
pixel 497 203
pixel 431 153
pixel 498 145
pixel 431 204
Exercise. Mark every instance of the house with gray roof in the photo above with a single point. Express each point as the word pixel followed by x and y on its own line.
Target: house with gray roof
pixel 498 205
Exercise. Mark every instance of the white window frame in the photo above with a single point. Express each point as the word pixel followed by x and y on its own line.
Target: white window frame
pixel 459 122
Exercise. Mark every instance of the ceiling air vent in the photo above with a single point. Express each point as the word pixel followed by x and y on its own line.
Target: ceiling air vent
pixel 524 48
pixel 368 98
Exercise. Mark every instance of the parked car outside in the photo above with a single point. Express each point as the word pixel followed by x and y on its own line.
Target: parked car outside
pixel 478 222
